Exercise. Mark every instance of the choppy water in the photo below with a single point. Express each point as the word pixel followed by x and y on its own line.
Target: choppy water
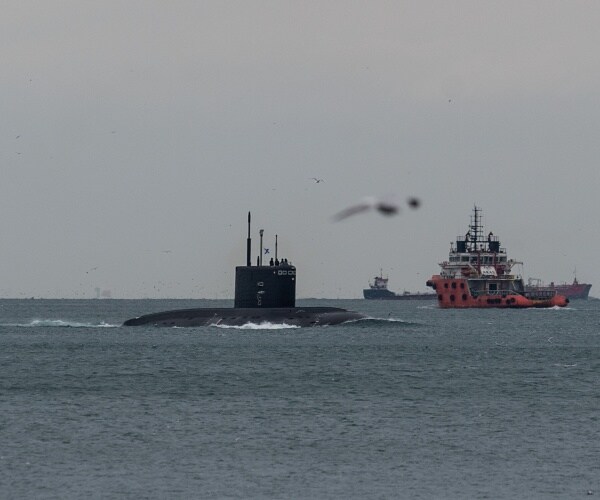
pixel 427 403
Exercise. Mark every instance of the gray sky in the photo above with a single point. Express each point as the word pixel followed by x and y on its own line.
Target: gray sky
pixel 135 136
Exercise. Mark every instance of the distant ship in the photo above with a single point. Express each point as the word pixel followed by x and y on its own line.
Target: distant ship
pixel 263 294
pixel 574 290
pixel 378 290
pixel 478 274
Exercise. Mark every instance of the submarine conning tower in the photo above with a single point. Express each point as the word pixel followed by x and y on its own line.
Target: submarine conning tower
pixel 260 286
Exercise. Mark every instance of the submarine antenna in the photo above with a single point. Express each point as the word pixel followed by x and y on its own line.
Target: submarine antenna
pixel 261 248
pixel 248 244
pixel 275 247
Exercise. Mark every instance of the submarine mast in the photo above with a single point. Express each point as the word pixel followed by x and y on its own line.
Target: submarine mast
pixel 261 246
pixel 248 244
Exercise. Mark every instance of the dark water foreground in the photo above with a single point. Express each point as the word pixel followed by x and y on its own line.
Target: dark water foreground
pixel 422 404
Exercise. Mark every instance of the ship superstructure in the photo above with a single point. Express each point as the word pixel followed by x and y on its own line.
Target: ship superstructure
pixel 378 290
pixel 478 273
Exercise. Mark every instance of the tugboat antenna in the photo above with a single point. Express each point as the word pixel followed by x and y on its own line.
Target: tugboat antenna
pixel 275 247
pixel 248 244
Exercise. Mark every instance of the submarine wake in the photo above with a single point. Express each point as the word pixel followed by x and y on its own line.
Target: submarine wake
pixel 372 321
pixel 59 323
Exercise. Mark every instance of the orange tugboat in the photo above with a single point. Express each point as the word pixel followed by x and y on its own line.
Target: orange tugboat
pixel 478 274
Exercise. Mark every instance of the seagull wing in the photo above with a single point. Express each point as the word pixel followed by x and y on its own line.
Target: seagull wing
pixel 363 206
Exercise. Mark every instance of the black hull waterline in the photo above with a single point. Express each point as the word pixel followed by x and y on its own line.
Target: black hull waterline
pixel 293 316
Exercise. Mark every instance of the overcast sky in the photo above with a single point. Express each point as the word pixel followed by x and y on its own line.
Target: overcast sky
pixel 136 135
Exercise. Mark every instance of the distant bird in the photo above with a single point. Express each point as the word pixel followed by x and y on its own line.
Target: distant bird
pixel 92 269
pixel 387 205
pixel 317 180
pixel 166 251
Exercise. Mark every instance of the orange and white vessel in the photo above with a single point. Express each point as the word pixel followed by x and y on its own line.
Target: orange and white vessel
pixel 478 273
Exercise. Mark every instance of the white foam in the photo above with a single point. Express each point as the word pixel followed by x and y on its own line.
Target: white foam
pixel 375 319
pixel 394 320
pixel 553 308
pixel 258 326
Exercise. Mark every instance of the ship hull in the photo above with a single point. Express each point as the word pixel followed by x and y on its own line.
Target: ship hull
pixel 292 316
pixel 578 291
pixel 455 294
pixel 371 294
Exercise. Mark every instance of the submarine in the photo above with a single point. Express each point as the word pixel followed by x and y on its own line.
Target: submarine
pixel 263 294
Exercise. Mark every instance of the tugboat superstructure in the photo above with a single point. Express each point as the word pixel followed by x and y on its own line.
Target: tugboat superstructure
pixel 478 273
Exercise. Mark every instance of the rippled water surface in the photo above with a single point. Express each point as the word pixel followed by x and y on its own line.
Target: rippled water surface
pixel 420 403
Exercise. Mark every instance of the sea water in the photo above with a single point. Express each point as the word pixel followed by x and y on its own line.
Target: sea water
pixel 416 403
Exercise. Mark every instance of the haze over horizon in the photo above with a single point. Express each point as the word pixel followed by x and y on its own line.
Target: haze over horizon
pixel 136 136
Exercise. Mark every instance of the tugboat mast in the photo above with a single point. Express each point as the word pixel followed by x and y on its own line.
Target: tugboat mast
pixel 476 231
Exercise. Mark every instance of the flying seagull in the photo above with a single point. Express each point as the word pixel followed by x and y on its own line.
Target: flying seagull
pixel 317 180
pixel 387 205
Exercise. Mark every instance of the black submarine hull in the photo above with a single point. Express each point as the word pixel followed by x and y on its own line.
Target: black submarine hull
pixel 238 316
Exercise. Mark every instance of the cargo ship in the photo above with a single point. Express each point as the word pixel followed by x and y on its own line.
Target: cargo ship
pixel 378 290
pixel 571 291
pixel 479 274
